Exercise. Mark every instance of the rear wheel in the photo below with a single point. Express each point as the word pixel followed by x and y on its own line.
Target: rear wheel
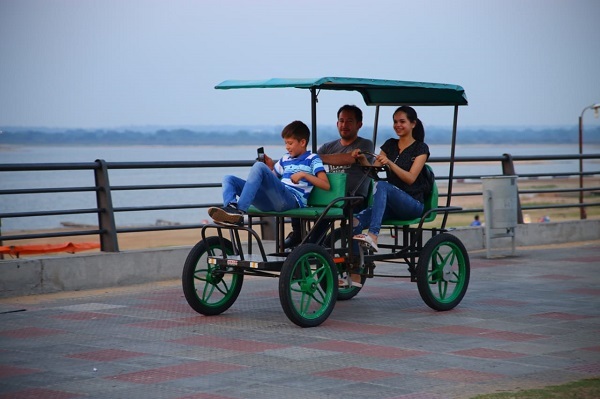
pixel 207 288
pixel 308 285
pixel 443 272
pixel 344 292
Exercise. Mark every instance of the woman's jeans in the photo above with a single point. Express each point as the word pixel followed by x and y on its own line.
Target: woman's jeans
pixel 263 189
pixel 389 202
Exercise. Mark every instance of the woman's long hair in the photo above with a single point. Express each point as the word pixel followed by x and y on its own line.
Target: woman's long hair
pixel 411 114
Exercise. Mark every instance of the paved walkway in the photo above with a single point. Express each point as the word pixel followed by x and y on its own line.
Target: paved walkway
pixel 527 321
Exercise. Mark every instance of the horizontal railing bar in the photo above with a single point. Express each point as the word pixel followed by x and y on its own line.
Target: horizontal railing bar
pixel 165 186
pixel 164 207
pixel 50 213
pixel 48 190
pixel 53 234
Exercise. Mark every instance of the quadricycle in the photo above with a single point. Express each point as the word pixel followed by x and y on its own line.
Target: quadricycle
pixel 310 274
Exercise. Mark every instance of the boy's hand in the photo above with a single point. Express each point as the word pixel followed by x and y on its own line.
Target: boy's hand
pixel 296 177
pixel 269 162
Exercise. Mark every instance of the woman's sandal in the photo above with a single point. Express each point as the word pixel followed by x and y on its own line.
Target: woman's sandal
pixel 366 241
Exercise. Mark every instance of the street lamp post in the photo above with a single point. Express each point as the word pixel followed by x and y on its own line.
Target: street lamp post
pixel 595 107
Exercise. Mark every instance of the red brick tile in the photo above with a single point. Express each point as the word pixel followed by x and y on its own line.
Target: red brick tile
pixel 106 355
pixel 10 371
pixel 486 353
pixel 38 393
pixel 586 291
pixel 356 374
pixel 170 373
pixel 30 332
pixel 229 343
pixel 591 368
pixel 462 375
pixel 593 348
pixel 514 336
pixel 365 349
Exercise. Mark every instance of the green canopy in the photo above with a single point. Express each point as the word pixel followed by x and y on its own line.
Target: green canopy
pixel 374 91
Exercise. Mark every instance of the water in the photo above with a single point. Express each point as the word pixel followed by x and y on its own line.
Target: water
pixel 67 154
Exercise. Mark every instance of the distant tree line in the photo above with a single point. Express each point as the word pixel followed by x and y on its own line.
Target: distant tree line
pixel 270 135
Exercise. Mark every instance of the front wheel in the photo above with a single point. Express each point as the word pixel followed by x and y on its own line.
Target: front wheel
pixel 206 286
pixel 443 272
pixel 308 285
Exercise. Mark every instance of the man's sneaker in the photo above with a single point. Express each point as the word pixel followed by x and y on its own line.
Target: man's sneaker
pixel 227 215
pixel 292 240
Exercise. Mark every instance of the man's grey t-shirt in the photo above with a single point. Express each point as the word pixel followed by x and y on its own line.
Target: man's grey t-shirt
pixel 355 172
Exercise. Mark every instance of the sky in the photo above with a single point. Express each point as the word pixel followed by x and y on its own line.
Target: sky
pixel 126 63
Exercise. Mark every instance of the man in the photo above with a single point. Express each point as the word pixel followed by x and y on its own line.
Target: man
pixel 337 154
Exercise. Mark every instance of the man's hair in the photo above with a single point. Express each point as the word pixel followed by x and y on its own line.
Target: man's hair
pixel 352 108
pixel 297 130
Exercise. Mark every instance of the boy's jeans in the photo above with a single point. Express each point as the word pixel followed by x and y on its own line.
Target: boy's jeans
pixel 262 189
pixel 389 202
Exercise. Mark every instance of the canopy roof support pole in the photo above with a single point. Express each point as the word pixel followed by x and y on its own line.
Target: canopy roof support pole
pixel 375 124
pixel 313 112
pixel 451 171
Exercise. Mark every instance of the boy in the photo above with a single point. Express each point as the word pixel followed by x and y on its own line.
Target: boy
pixel 274 186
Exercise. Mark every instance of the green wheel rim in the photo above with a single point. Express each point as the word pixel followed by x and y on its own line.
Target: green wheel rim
pixel 213 287
pixel 308 293
pixel 446 272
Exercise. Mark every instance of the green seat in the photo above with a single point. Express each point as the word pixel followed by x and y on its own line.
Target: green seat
pixel 317 202
pixel 431 202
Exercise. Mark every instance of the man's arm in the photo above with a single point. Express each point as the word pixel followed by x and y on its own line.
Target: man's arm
pixel 337 159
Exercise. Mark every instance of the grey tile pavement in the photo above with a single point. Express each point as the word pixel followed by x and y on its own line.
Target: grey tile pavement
pixel 527 321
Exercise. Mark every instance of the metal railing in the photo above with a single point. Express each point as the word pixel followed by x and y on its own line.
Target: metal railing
pixel 108 231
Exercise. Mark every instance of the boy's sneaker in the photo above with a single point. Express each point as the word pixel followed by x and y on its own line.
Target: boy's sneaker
pixel 227 215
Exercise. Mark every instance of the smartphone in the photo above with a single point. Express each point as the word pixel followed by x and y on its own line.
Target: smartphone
pixel 261 154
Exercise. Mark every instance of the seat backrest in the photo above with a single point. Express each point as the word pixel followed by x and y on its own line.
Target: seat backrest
pixel 320 197
pixel 431 202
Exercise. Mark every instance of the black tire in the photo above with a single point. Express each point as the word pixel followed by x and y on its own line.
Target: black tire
pixel 344 293
pixel 443 272
pixel 207 289
pixel 308 285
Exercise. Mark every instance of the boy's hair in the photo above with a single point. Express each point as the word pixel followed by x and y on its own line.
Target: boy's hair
pixel 297 130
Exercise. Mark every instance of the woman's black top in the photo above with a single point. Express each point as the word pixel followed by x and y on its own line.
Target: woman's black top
pixel 405 161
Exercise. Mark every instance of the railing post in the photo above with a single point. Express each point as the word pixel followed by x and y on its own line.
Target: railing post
pixel 106 216
pixel 582 212
pixel 508 169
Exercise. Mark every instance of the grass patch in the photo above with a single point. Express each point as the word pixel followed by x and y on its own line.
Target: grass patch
pixel 584 389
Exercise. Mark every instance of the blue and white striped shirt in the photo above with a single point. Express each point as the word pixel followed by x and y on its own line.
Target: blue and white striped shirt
pixel 287 166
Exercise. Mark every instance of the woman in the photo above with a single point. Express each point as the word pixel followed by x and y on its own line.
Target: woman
pixel 402 195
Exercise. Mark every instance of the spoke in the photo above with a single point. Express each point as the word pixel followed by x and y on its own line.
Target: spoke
pixel 305 303
pixel 442 289
pixel 225 288
pixel 201 274
pixel 321 299
pixel 298 283
pixel 207 292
